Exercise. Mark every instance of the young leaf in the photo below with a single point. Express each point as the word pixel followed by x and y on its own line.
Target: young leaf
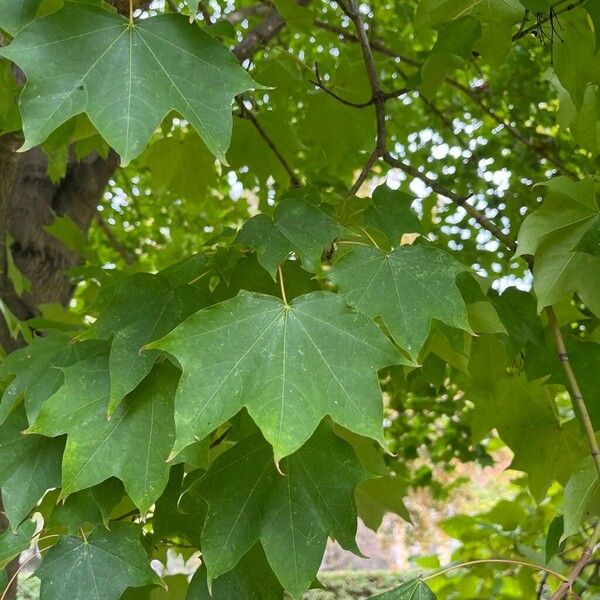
pixel 127 78
pixel 407 288
pixel 391 214
pixel 298 225
pixel 289 365
pixel 97 568
pixel 133 445
pixel 291 514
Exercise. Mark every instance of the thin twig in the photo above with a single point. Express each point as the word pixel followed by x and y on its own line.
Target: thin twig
pixel 383 49
pixel 364 173
pixel 476 99
pixel 566 586
pixel 507 561
pixel 247 114
pixel 461 201
pixel 122 250
pixel 576 393
pixel 385 95
pixel 535 28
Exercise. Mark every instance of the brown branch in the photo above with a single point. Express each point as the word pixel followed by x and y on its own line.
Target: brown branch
pixel 247 114
pixel 385 95
pixel 566 586
pixel 576 393
pixel 122 250
pixel 383 49
pixel 260 35
pixel 364 173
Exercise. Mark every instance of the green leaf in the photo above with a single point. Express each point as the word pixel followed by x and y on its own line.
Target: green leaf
pixel 100 567
pixel 70 234
pixel 590 241
pixel 413 590
pixel 255 351
pixel 537 6
pixel 381 495
pixel 126 78
pixel 252 578
pixel 524 414
pixel 13 543
pixel 137 310
pixel 407 288
pixel 37 370
pixel 133 445
pixel 16 14
pixel 391 214
pixel 553 543
pixel 582 497
pixel 29 466
pixel 551 234
pixel 187 177
pixel 299 225
pixel 291 514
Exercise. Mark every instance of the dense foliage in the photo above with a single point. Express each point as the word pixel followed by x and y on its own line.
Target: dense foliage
pixel 361 247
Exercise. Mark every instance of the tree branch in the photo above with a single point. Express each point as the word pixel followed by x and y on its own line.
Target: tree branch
pixel 260 35
pixel 383 49
pixel 120 248
pixel 575 389
pixel 247 114
pixel 588 551
pixel 385 95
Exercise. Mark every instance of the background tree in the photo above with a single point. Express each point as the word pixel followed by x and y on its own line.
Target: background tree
pixel 186 293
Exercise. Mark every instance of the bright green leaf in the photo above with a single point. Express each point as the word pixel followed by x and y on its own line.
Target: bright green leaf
pixel 126 78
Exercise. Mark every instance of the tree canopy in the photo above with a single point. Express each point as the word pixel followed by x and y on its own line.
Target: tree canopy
pixel 265 266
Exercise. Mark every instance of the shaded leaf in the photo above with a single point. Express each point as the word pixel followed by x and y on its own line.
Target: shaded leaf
pixel 133 445
pixel 291 514
pixel 407 288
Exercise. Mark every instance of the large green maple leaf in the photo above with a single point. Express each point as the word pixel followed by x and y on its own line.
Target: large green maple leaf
pixel 291 514
pixel 407 288
pixel 133 445
pixel 126 77
pixel 289 365
pixel 99 567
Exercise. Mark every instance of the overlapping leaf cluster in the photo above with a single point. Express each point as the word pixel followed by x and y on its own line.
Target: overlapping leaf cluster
pixel 233 402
